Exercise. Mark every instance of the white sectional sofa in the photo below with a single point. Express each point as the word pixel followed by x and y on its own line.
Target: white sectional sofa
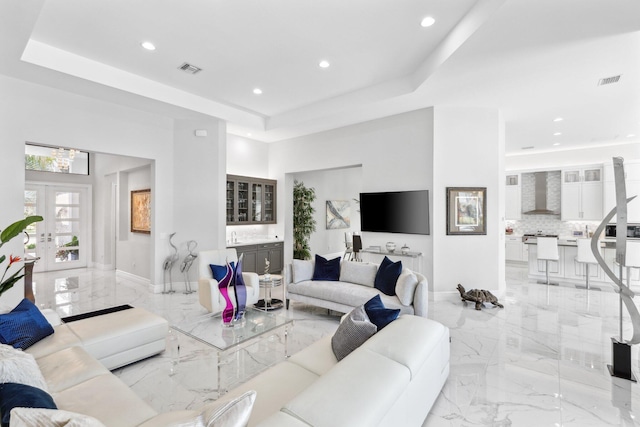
pixel 76 361
pixel 392 379
pixel 355 287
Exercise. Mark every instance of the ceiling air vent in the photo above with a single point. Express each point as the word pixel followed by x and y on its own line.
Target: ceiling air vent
pixel 188 68
pixel 609 80
pixel 530 147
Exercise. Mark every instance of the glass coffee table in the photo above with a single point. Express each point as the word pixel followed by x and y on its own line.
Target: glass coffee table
pixel 263 338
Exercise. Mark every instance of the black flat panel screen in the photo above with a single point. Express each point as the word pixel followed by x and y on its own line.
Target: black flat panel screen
pixel 395 212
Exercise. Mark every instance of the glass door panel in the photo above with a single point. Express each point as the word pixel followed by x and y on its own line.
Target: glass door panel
pixel 231 200
pixel 243 201
pixel 269 202
pixel 256 202
pixel 60 240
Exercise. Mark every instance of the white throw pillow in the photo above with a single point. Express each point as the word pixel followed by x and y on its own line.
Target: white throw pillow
pixel 360 273
pixel 30 417
pixel 406 286
pixel 302 270
pixel 236 413
pixel 19 367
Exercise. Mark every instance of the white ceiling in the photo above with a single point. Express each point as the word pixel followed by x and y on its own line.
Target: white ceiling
pixel 534 60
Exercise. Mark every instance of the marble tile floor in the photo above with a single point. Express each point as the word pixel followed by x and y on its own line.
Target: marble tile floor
pixel 540 361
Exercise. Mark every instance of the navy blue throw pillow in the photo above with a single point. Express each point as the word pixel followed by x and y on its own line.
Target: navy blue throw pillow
pixel 326 269
pixel 23 326
pixel 14 395
pixel 218 271
pixel 378 314
pixel 387 276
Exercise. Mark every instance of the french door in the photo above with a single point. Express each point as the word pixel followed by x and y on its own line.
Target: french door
pixel 60 241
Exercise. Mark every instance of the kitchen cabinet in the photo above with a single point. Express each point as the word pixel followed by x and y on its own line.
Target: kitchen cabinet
pixel 250 200
pixel 515 250
pixel 582 194
pixel 274 252
pixel 255 255
pixel 513 197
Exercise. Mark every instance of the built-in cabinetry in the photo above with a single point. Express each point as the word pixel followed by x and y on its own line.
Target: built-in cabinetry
pixel 513 198
pixel 250 200
pixel 515 249
pixel 255 257
pixel 582 193
pixel 632 184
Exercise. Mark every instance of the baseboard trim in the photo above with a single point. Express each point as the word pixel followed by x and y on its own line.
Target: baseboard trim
pixel 134 278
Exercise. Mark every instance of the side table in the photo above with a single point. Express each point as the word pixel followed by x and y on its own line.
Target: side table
pixel 268 282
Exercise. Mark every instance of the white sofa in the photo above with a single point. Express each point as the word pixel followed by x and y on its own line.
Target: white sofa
pixel 75 363
pixel 355 287
pixel 392 379
pixel 208 294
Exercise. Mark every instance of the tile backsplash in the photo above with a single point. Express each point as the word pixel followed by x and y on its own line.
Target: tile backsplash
pixel 549 224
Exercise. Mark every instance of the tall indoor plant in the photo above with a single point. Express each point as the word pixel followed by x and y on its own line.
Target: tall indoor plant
pixel 303 222
pixel 7 234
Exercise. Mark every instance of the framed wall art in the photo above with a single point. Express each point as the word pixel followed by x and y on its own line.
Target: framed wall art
pixel 466 210
pixel 141 211
pixel 338 214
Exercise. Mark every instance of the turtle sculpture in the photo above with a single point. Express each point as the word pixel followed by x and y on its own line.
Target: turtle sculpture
pixel 479 296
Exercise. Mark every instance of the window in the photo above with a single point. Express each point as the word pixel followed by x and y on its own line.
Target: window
pixel 56 159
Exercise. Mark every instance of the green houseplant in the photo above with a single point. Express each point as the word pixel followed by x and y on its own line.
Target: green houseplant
pixel 303 222
pixel 6 235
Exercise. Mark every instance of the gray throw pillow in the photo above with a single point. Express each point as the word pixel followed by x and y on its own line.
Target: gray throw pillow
pixel 354 330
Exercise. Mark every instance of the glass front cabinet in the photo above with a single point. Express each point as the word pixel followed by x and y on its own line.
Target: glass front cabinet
pixel 250 200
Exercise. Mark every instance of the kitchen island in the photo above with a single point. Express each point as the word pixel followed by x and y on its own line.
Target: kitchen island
pixel 568 270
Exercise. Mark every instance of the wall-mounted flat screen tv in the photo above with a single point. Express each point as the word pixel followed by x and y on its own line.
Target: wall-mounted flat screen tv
pixel 395 212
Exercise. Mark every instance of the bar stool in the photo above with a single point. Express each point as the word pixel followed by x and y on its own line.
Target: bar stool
pixel 548 251
pixel 586 257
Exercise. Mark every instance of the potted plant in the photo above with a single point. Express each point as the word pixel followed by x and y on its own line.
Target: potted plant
pixel 303 222
pixel 6 235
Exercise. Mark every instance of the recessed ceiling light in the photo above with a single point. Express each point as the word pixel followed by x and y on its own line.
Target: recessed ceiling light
pixel 558 119
pixel 249 134
pixel 631 135
pixel 257 91
pixel 427 21
pixel 324 64
pixel 557 134
pixel 556 143
pixel 148 45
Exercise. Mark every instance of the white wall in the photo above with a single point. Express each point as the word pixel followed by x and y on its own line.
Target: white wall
pixel 334 184
pixel 30 112
pixel 468 152
pixel 106 172
pixel 395 153
pixel 247 157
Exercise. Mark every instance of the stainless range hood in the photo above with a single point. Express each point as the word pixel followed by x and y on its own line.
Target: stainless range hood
pixel 541 196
